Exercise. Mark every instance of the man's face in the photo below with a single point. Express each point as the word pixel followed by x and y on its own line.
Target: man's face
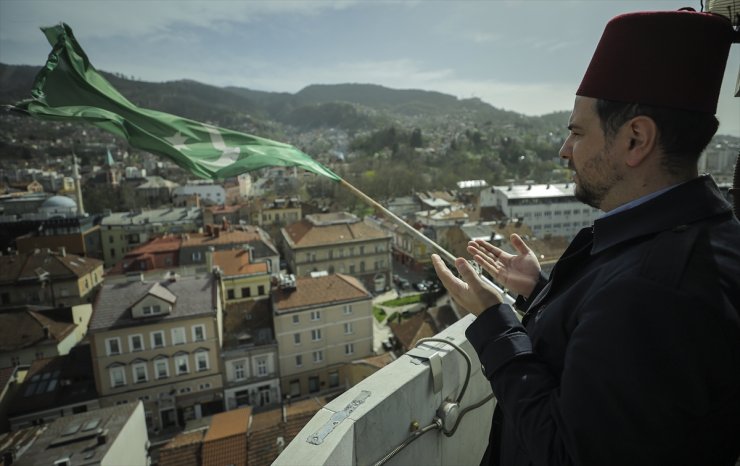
pixel 595 167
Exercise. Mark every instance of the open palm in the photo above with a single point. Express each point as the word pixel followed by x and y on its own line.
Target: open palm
pixel 518 273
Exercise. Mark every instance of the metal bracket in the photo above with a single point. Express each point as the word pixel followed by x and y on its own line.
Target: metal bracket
pixel 435 363
pixel 318 437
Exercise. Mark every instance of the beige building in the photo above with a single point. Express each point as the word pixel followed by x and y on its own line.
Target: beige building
pixel 160 342
pixel 321 324
pixel 48 278
pixel 339 243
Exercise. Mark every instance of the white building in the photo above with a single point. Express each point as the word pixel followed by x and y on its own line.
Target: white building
pixel 549 209
pixel 208 193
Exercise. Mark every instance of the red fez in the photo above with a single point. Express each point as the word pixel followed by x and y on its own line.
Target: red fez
pixel 672 59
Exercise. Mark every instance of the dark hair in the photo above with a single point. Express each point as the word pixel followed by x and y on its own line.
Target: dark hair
pixel 682 134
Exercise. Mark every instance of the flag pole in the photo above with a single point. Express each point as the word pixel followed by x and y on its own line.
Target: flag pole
pixel 444 254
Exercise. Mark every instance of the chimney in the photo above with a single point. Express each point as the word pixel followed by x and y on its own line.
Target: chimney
pixel 209 229
pixel 62 251
pixel 216 231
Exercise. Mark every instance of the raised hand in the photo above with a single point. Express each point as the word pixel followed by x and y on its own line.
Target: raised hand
pixel 518 273
pixel 469 291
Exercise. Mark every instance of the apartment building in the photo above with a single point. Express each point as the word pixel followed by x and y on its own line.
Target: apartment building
pixel 122 231
pixel 549 209
pixel 160 342
pixel 46 277
pixel 250 355
pixel 208 193
pixel 406 248
pixel 339 243
pixel 321 324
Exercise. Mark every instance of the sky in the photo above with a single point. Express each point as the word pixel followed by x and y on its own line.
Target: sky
pixel 527 56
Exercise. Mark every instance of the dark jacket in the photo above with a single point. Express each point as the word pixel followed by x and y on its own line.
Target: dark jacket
pixel 630 354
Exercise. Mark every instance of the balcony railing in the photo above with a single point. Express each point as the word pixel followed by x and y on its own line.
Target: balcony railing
pixel 431 406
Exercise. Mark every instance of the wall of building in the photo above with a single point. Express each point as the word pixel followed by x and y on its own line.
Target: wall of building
pixel 130 445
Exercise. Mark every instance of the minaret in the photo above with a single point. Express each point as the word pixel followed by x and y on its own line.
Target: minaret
pixel 78 186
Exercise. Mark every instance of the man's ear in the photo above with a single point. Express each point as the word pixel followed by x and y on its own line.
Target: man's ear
pixel 641 135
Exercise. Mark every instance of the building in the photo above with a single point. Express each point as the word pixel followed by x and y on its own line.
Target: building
pixel 339 243
pixel 55 387
pixel 250 355
pixel 321 324
pixel 208 193
pixel 122 231
pixel 49 278
pixel 106 437
pixel 160 342
pixel 224 237
pixel 241 278
pixel 276 213
pixel 29 333
pixel 549 209
pixel 10 380
pixel 155 191
pixel 235 214
pixel 161 253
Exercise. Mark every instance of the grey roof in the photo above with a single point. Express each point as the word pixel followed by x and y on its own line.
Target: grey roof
pixel 59 441
pixel 167 215
pixel 536 191
pixel 112 308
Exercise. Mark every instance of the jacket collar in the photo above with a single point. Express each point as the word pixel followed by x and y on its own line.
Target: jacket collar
pixel 689 202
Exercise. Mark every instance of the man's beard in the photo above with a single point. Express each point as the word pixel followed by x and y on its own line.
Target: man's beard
pixel 592 192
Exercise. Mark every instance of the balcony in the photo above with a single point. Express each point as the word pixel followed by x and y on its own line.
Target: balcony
pixel 406 412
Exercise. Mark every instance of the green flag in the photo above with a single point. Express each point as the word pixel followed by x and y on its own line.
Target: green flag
pixel 69 88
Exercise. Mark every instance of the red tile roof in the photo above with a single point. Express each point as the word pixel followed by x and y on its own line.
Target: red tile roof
pixel 304 234
pixel 226 440
pixel 183 450
pixel 325 290
pixel 236 262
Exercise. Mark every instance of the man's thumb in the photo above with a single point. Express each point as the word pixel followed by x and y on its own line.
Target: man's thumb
pixel 519 244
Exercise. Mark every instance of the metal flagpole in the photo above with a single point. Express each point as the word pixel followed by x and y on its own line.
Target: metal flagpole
pixel 444 254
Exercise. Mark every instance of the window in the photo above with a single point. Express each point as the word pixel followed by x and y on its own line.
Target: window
pixel 157 339
pixel 230 294
pixel 315 315
pixel 347 309
pixel 181 364
pixel 316 334
pixel 318 356
pixel 185 390
pixel 334 379
pixel 161 368
pixel 199 332
pixel 362 250
pixel 178 336
pixel 239 373
pixel 299 360
pixel 246 292
pixel 261 366
pixel 15 361
pixel 297 338
pixel 352 268
pixel 204 386
pixel 362 266
pixel 196 256
pixel 296 319
pixel 117 377
pixel 349 348
pixel 136 343
pixel 140 374
pixel 113 346
pixel 313 384
pixel 347 328
pixel 201 361
pixel 261 290
pixel 150 310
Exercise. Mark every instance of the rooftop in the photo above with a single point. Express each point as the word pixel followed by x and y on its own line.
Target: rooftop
pixel 27 326
pixel 226 439
pixel 319 291
pixel 525 191
pixel 162 216
pixel 32 266
pixel 195 296
pixel 305 233
pixel 78 435
pixel 234 262
pixel 248 322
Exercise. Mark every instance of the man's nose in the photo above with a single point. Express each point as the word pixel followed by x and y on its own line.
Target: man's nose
pixel 566 150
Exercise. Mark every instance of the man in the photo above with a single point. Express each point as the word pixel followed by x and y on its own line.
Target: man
pixel 630 353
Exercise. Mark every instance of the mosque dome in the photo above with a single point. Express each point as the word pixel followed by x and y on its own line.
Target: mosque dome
pixel 59 202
